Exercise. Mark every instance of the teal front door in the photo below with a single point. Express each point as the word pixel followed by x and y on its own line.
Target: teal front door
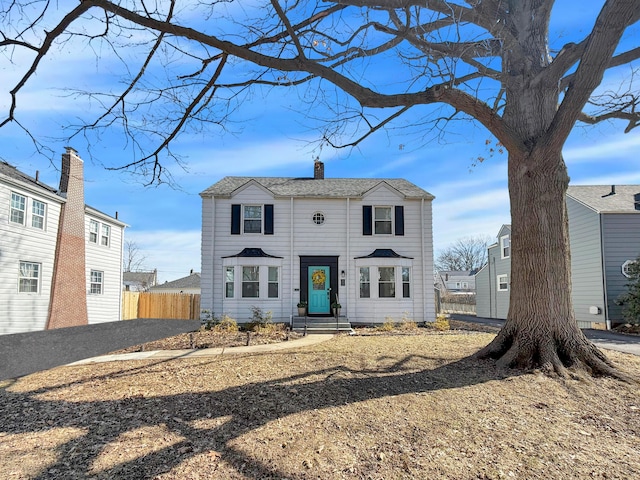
pixel 319 288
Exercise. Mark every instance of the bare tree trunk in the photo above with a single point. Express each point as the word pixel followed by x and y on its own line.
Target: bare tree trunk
pixel 541 330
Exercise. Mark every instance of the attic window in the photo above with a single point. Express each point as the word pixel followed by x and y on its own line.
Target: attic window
pixel 318 218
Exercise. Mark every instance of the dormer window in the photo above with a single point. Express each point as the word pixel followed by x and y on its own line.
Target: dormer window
pixel 505 246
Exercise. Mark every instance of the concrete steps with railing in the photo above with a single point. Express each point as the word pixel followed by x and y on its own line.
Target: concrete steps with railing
pixel 321 324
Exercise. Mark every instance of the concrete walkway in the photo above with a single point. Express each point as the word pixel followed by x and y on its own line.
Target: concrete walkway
pixel 312 339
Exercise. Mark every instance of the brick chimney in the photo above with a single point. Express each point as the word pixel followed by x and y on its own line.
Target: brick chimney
pixel 68 301
pixel 318 170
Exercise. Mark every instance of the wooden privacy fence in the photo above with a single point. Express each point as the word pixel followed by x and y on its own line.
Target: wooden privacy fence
pixel 183 306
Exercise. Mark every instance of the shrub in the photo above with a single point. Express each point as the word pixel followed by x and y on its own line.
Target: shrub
pixel 387 326
pixel 407 323
pixel 226 324
pixel 441 323
pixel 259 319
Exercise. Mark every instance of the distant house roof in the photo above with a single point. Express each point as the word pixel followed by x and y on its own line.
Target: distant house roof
pixel 190 281
pixel 607 198
pixel 310 187
pixel 146 279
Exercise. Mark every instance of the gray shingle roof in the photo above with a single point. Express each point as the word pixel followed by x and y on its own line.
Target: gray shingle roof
pixel 12 172
pixel 601 199
pixel 310 187
pixel 190 281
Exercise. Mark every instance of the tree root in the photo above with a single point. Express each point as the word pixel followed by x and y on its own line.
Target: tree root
pixel 565 354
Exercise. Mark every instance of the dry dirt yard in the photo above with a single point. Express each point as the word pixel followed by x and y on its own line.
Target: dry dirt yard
pixel 353 407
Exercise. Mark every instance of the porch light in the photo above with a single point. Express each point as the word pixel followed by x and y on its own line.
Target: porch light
pixel 343 274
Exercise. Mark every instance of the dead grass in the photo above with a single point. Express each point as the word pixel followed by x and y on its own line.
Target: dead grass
pixel 356 407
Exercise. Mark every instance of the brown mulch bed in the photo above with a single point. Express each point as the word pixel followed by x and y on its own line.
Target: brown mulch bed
pixel 628 328
pixel 394 406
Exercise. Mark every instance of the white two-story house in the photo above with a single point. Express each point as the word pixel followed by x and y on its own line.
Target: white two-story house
pixel 60 260
pixel 273 242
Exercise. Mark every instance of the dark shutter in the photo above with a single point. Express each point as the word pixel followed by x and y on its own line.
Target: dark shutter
pixel 399 220
pixel 367 220
pixel 235 219
pixel 268 219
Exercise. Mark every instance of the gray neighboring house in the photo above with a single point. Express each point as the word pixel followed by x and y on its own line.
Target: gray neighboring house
pixel 456 282
pixel 188 284
pixel 139 281
pixel 493 280
pixel 604 233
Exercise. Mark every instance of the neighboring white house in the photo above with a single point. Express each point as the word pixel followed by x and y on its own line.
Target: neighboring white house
pixel 60 260
pixel 189 284
pixel 271 242
pixel 139 281
pixel 604 234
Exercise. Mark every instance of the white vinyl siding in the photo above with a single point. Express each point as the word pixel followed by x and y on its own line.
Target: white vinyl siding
pixel 104 307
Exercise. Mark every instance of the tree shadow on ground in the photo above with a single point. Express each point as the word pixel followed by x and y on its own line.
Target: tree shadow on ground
pixel 238 410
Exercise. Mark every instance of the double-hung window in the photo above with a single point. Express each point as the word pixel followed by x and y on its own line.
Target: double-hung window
pixel 406 282
pixel 503 283
pixel 106 235
pixel 505 246
pixel 29 277
pixel 18 208
pixel 38 210
pixel 272 290
pixel 382 220
pixel 229 282
pixel 96 282
pixel 252 218
pixel 250 282
pixel 386 282
pixel 365 282
pixel 94 228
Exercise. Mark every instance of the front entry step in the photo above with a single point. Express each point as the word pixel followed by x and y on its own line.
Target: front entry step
pixel 321 324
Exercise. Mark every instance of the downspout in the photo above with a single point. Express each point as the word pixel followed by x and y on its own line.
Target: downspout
pixel 607 320
pixel 213 259
pixel 121 269
pixel 424 265
pixel 348 260
pixel 291 262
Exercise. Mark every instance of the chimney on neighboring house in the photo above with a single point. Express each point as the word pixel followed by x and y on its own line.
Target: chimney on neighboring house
pixel 68 301
pixel 318 170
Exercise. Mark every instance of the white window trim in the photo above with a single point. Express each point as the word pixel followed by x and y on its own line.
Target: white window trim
pixel 92 283
pixel 104 227
pixel 263 264
pixel 261 218
pixel 393 220
pixel 34 215
pixel 24 211
pixel 499 282
pixel 323 216
pixel 502 239
pixel 96 232
pixel 37 278
pixel 373 264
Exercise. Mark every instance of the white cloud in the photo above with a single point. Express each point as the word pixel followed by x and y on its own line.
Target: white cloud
pixel 615 147
pixel 174 253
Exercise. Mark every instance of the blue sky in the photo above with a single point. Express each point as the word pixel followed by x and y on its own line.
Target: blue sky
pixel 269 139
